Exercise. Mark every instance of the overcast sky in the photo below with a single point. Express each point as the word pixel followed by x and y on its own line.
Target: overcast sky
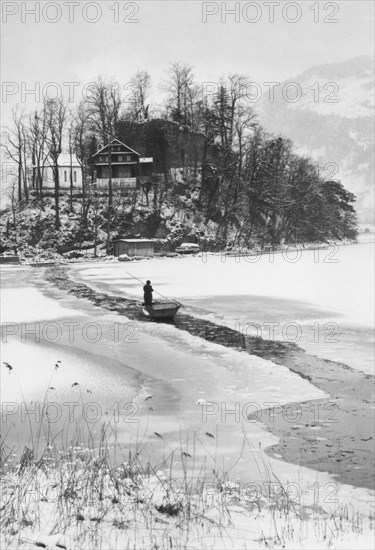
pixel 169 31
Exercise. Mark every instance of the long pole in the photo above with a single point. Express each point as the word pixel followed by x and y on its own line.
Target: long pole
pixel 165 298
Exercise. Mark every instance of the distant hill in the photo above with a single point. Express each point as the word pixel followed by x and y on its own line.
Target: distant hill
pixel 332 132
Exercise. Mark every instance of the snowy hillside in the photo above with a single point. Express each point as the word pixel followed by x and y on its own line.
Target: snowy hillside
pixel 332 121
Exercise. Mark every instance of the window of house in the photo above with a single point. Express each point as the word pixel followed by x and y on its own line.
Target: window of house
pixel 65 176
pixel 75 176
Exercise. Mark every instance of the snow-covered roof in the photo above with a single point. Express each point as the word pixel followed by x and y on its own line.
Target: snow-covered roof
pixel 134 240
pixel 65 160
pixel 116 141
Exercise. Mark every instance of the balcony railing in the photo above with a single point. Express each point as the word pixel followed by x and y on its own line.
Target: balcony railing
pixel 117 183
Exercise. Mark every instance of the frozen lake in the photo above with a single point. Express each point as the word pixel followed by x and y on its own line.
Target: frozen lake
pixel 165 373
pixel 322 300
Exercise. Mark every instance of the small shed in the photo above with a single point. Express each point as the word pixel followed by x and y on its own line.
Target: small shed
pixel 133 247
pixel 11 259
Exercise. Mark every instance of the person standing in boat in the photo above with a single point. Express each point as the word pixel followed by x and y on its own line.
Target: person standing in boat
pixel 147 293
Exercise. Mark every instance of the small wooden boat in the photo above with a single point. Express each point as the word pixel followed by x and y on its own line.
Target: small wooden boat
pixel 161 310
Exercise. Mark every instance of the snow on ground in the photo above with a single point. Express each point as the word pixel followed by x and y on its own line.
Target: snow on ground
pixel 67 509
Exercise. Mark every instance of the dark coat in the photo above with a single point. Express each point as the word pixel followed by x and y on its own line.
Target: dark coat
pixel 147 293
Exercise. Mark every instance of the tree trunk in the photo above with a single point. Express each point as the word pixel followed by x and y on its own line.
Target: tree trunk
pixel 19 181
pixel 71 181
pixel 84 210
pixel 95 234
pixel 110 191
pixel 24 164
pixel 33 182
pixel 110 200
pixel 25 189
pixel 57 189
pixel 39 181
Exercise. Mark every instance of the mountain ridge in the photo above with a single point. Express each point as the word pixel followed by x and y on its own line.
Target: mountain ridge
pixel 333 123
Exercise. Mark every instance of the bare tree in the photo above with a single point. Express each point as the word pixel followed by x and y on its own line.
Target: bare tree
pixel 71 148
pixel 55 112
pixel 182 93
pixel 80 138
pixel 38 150
pixel 141 85
pixel 15 145
pixel 104 106
pixel 232 110
pixel 12 196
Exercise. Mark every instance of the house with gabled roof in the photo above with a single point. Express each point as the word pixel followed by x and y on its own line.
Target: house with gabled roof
pixel 70 172
pixel 127 166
